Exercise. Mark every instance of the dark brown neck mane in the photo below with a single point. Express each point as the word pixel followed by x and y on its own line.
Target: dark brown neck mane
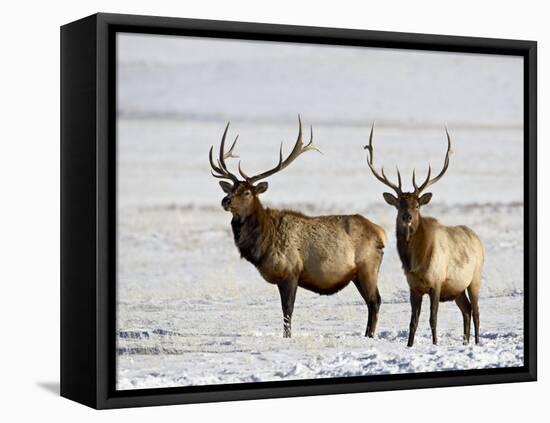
pixel 254 234
pixel 404 247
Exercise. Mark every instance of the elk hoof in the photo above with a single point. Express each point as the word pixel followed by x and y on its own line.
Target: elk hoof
pixel 369 332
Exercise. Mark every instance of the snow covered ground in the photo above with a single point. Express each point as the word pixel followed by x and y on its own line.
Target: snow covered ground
pixel 327 342
pixel 191 312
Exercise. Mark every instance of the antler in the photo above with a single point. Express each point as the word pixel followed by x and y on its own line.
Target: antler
pixel 382 178
pixel 298 149
pixel 221 169
pixel 428 181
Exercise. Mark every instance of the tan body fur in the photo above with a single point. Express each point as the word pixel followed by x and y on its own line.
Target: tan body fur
pixel 322 253
pixel 447 258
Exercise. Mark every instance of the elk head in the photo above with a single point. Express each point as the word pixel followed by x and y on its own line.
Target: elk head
pixel 407 203
pixel 242 194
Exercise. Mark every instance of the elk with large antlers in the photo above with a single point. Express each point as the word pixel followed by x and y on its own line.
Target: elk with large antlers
pixel 321 254
pixel 441 261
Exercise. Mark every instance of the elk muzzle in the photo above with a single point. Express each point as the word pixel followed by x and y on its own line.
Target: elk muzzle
pixel 405 226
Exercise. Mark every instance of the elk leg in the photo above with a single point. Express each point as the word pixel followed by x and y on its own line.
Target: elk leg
pixel 287 290
pixel 466 308
pixel 416 306
pixel 434 307
pixel 373 302
pixel 366 285
pixel 374 309
pixel 473 292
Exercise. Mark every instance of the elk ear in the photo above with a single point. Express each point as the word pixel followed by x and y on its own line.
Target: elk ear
pixel 390 199
pixel 425 199
pixel 226 187
pixel 261 187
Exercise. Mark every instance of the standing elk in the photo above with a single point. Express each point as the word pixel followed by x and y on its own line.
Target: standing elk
pixel 441 261
pixel 321 254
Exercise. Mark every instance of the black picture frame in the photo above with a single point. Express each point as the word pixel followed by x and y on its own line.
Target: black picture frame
pixel 88 149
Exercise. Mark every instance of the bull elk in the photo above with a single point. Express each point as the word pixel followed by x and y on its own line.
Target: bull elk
pixel 441 261
pixel 321 254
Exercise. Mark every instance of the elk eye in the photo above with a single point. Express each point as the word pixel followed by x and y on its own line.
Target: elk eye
pixel 247 193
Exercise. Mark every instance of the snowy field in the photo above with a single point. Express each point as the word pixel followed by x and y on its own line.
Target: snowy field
pixel 327 342
pixel 191 312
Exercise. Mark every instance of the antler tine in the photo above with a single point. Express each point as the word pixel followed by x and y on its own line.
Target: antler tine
pixel 382 178
pixel 398 177
pixel 227 155
pixel 221 168
pixel 298 149
pixel 310 146
pixel 223 155
pixel 230 153
pixel 417 189
pixel 241 171
pixel 428 182
pixel 214 167
pixel 221 176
